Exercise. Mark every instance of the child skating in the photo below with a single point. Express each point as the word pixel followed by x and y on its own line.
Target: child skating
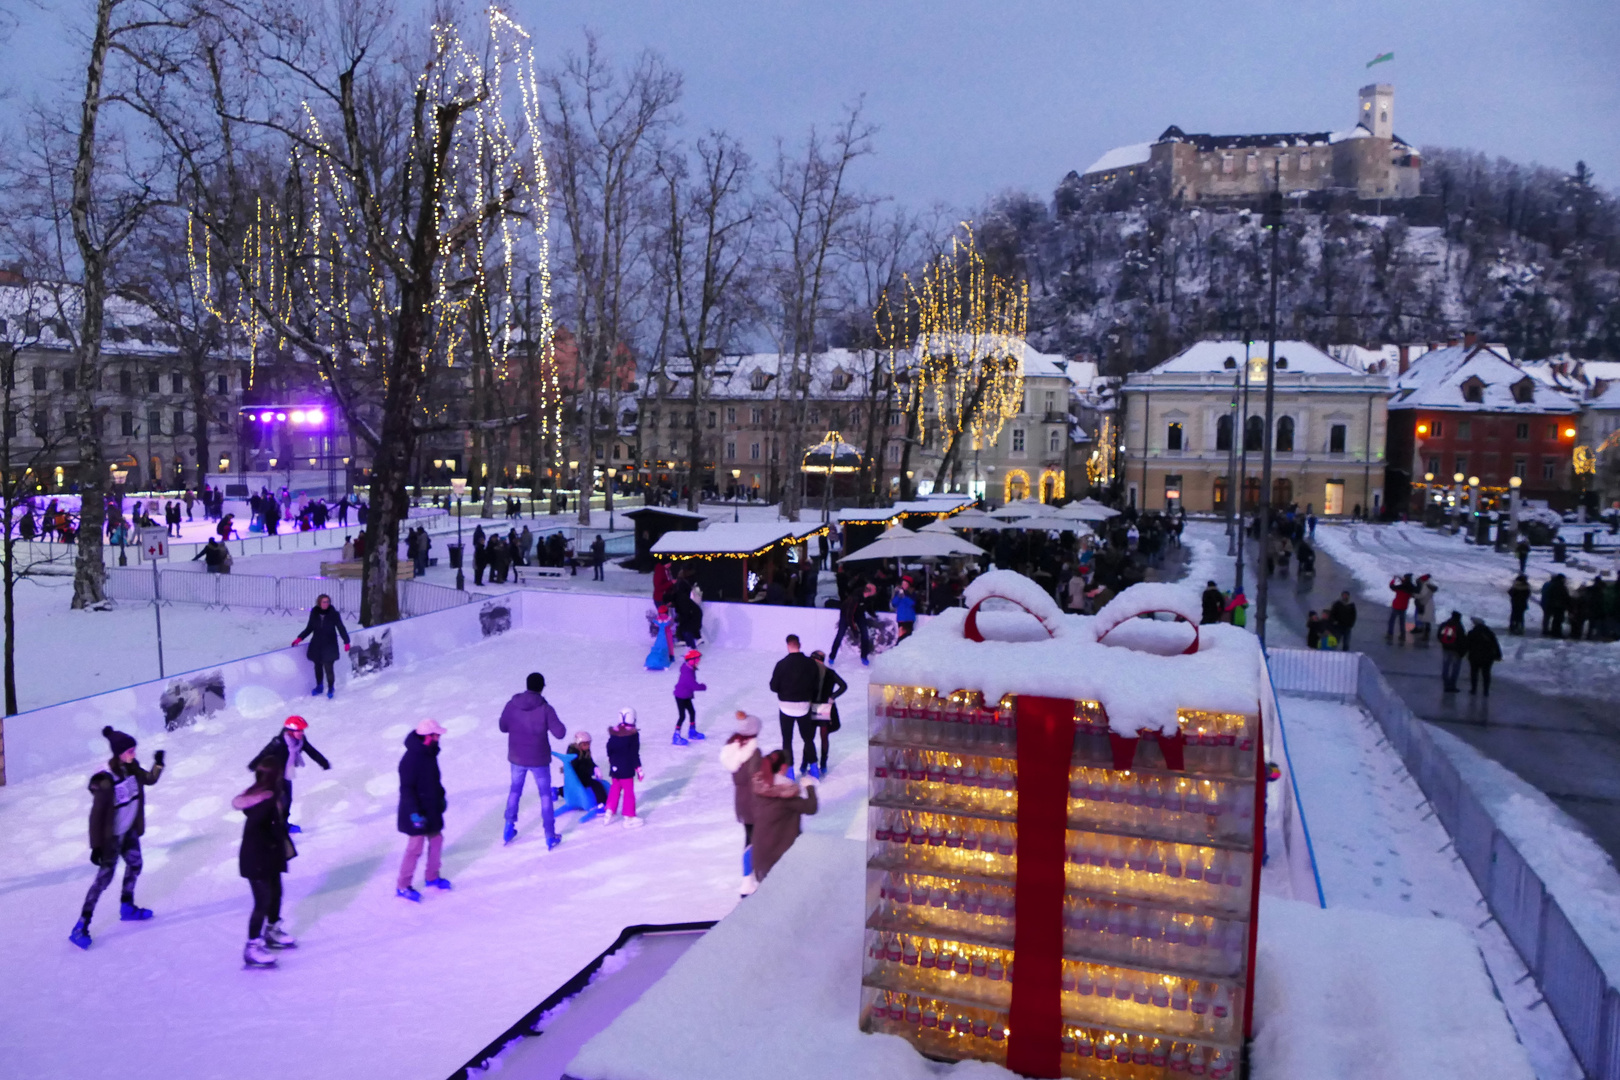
pixel 624 769
pixel 266 847
pixel 117 823
pixel 662 652
pixel 686 685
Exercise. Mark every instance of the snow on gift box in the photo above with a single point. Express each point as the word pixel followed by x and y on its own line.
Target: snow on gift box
pixel 1062 856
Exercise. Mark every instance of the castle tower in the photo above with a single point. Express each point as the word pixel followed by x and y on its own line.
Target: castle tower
pixel 1377 110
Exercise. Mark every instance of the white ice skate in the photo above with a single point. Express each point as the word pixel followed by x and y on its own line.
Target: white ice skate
pixel 634 822
pixel 277 937
pixel 255 955
pixel 608 819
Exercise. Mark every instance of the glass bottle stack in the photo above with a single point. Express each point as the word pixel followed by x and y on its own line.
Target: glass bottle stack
pixel 1157 912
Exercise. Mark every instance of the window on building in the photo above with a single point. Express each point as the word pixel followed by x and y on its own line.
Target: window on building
pixel 1172 492
pixel 894 453
pixel 731 414
pixel 126 424
pixel 42 426
pixel 70 382
pixel 815 415
pixel 713 418
pixel 618 451
pixel 1227 164
pixel 753 451
pixel 11 424
pixel 1172 437
pixel 1473 389
pixel 154 383
pixel 755 415
pixel 1461 465
pixel 154 423
pixel 1465 430
pixel 1018 440
pixel 1521 468
pixel 1054 441
pixel 1437 428
pixel 1333 498
pixel 1223 432
pixel 1336 438
pixel 126 382
pixel 1304 162
pixel 731 451
pixel 758 380
pixel 1254 433
pixel 1552 432
pixel 1549 468
pixel 39 380
pixel 1521 431
pixel 224 384
pixel 1285 434
pixel 179 421
pixel 70 422
pixel 894 417
pixel 177 383
pixel 1251 162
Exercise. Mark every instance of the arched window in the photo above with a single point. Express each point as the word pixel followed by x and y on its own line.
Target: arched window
pixel 1254 433
pixel 1285 434
pixel 1223 432
pixel 1172 437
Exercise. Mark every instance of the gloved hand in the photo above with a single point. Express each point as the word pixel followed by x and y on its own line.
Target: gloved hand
pixel 808 781
pixel 640 775
pixel 417 821
pixel 157 757
pixel 345 646
pixel 296 640
pixel 95 856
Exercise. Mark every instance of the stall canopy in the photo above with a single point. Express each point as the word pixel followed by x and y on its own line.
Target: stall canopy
pixel 733 539
pixel 1086 510
pixel 972 519
pixel 902 543
pixel 1023 508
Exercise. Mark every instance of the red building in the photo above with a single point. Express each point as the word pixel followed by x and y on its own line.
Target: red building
pixel 1469 409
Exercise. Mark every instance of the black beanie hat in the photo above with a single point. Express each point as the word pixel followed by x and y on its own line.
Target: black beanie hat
pixel 537 682
pixel 118 740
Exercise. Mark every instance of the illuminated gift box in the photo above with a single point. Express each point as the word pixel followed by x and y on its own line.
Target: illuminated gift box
pixel 1064 831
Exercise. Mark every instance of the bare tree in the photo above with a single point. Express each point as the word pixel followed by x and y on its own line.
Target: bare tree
pixel 708 259
pixel 810 207
pixel 883 247
pixel 603 129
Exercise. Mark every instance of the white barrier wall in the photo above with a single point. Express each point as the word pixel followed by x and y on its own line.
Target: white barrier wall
pixel 69 733
pixel 728 626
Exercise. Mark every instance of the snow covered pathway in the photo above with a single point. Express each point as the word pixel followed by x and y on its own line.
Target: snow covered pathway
pixel 378 987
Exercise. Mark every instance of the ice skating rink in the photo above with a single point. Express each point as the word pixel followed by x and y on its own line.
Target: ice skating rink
pixel 378 987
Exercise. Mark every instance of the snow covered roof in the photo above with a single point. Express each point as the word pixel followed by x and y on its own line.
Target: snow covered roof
pixel 733 538
pixel 667 511
pixel 1121 157
pixel 47 314
pixel 1138 688
pixel 1211 356
pixel 932 504
pixel 1476 378
pixel 872 514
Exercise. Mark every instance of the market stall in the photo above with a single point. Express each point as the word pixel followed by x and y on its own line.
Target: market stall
pixel 861 525
pixel 730 560
pixel 651 523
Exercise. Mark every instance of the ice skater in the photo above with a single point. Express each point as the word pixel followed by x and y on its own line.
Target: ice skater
pixel 117 823
pixel 741 757
pixel 530 724
pixel 422 804
pixel 823 716
pixel 794 681
pixel 586 772
pixel 662 653
pixel 287 750
pixel 686 685
pixel 624 769
pixel 324 628
pixel 779 802
pixel 266 847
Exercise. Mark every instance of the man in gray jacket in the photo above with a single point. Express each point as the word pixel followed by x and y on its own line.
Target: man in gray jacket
pixel 529 721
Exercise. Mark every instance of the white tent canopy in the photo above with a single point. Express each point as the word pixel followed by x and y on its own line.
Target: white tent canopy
pixel 901 543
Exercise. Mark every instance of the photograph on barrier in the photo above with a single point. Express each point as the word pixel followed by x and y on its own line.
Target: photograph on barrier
pixel 186 699
pixel 372 654
pixel 495 617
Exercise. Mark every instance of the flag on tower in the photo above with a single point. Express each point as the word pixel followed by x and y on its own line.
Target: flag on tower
pixel 1379 59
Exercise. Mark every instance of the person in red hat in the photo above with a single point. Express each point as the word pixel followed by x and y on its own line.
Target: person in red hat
pixel 686 685
pixel 287 750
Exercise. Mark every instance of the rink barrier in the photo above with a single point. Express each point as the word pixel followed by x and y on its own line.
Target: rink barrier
pixel 525 1028
pixel 1314 672
pixel 1577 991
pixel 284 595
pixel 1286 812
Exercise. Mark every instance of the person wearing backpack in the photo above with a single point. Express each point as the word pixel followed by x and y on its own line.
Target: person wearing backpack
pixel 1454 642
pixel 1483 651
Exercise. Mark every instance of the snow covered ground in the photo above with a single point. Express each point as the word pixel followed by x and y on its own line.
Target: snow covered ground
pixel 378 986
pixel 1474 580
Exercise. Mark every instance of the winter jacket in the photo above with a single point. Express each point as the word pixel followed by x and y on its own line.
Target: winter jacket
pixel 624 752
pixel 527 720
pixel 266 847
pixel 742 760
pixel 323 630
pixel 420 790
pixel 1403 593
pixel 905 608
pixel 104 805
pixel 1423 600
pixel 1452 637
pixel 777 807
pixel 686 683
pixel 1555 595
pixel 1483 648
pixel 278 751
pixel 1343 614
pixel 1213 600
pixel 1519 596
pixel 795 678
pixel 584 765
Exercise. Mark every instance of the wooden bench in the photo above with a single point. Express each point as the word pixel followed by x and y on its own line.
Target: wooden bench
pixel 355 568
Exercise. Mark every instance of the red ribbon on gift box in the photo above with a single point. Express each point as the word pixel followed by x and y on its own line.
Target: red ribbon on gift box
pixel 1174 748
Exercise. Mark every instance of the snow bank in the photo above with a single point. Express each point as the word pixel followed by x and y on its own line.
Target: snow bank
pixel 1137 688
pixel 1355 994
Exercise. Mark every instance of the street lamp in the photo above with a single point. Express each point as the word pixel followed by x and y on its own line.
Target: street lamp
pixel 611 473
pixel 736 494
pixel 1457 482
pixel 1514 484
pixel 573 467
pixel 119 476
pixel 1473 508
pixel 458 487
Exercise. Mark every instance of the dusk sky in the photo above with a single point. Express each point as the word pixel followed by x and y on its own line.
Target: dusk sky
pixel 976 98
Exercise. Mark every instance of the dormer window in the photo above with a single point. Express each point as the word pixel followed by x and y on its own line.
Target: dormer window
pixel 758 380
pixel 1524 391
pixel 1473 389
pixel 840 379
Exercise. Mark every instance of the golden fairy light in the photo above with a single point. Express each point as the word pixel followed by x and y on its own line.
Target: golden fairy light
pixel 492 223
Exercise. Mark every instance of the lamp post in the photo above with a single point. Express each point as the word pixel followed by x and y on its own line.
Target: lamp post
pixel 1457 480
pixel 573 467
pixel 1514 484
pixel 736 494
pixel 458 486
pixel 1473 509
pixel 119 476
pixel 611 473
pixel 1231 458
pixel 1272 220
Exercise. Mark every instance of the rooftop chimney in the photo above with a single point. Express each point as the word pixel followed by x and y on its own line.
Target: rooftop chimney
pixel 1470 339
pixel 1406 357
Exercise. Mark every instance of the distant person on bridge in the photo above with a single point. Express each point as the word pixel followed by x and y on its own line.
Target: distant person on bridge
pixel 1483 651
pixel 1343 617
pixel 1454 642
pixel 1404 589
pixel 1518 603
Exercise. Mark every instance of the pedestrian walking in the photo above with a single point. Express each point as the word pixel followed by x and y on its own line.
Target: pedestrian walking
pixel 480 555
pixel 1342 619
pixel 422 804
pixel 779 803
pixel 1423 610
pixel 287 752
pixel 794 681
pixel 824 710
pixel 262 859
pixel 624 769
pixel 1554 602
pixel 1518 603
pixel 1522 550
pixel 852 620
pixel 1453 640
pixel 741 757
pixel 1483 651
pixel 1213 601
pixel 530 723
pixel 598 558
pixel 686 686
pixel 117 823
pixel 1404 589
pixel 323 629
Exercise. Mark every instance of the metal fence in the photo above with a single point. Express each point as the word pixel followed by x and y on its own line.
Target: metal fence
pixel 288 595
pixel 1314 672
pixel 1579 994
